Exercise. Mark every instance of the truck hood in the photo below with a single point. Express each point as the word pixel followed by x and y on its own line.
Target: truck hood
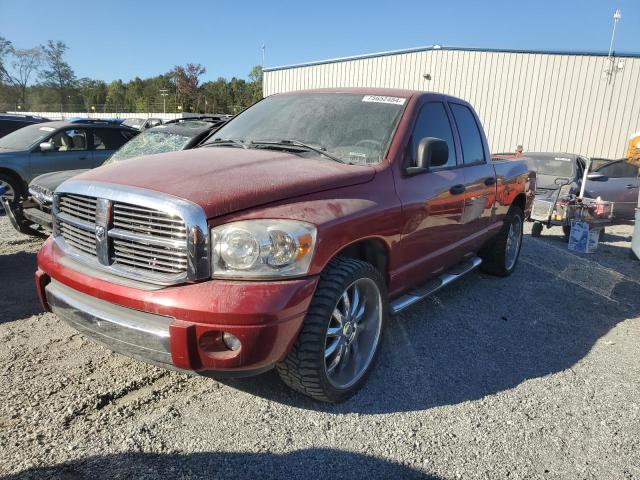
pixel 222 180
pixel 51 181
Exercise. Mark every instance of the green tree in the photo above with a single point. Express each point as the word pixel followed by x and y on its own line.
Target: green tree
pixel 59 75
pixel 255 83
pixel 6 49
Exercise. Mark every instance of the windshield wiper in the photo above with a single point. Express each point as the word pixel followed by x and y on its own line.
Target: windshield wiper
pixel 225 141
pixel 297 144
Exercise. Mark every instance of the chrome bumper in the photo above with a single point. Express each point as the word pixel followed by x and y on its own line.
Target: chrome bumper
pixel 144 336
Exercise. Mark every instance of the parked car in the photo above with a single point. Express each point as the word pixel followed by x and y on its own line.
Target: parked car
pixel 51 147
pixel 142 123
pixel 32 215
pixel 287 238
pixel 10 122
pixel 621 187
pixel 108 121
pixel 616 181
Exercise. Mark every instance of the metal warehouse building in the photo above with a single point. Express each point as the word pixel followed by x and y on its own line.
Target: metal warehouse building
pixel 583 103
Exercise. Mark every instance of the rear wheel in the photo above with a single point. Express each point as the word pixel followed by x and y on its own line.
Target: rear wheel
pixel 501 256
pixel 339 339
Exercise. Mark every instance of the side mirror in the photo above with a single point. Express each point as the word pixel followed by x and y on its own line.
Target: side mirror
pixel 432 152
pixel 562 181
pixel 46 147
pixel 597 177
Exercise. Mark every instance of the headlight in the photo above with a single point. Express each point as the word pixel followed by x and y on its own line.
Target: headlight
pixel 262 249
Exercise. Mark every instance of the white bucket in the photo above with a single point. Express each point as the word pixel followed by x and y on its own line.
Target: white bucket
pixel 635 242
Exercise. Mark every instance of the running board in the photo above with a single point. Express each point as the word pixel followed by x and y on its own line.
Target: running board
pixel 433 286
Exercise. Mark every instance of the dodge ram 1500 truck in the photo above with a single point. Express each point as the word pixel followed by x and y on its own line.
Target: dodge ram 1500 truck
pixel 288 238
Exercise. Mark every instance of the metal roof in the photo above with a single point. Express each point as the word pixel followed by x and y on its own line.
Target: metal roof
pixel 463 49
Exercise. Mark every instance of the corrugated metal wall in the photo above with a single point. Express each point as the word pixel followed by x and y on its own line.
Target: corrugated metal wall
pixel 546 102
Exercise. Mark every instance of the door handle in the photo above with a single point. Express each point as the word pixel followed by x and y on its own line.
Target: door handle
pixel 457 189
pixel 631 186
pixel 490 181
pixel 82 158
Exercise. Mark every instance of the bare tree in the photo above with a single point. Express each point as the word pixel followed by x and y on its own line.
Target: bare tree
pixel 6 48
pixel 26 62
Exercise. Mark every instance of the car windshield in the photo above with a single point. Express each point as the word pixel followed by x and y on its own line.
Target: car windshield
pixel 26 137
pixel 150 142
pixel 349 127
pixel 552 166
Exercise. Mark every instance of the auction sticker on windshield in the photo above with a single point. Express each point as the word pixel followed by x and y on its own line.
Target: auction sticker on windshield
pixel 383 99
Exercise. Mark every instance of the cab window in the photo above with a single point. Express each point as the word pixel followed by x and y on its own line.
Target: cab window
pixel 470 138
pixel 433 121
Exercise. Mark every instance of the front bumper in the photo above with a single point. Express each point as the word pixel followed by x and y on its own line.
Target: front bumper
pixel 179 327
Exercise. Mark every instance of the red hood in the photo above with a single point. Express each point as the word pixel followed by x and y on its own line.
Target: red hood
pixel 225 179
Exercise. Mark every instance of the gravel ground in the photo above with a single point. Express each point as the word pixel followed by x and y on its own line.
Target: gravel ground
pixel 534 376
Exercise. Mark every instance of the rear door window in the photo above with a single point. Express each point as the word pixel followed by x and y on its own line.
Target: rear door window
pixel 109 138
pixel 470 138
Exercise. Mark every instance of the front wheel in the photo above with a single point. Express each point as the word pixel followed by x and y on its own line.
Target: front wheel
pixel 10 189
pixel 339 339
pixel 501 256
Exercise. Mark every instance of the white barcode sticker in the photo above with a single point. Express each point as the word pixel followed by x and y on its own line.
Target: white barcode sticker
pixel 383 99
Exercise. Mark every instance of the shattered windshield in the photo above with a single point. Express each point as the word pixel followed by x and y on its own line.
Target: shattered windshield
pixel 150 142
pixel 354 128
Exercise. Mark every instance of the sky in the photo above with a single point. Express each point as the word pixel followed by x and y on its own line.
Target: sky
pixel 111 40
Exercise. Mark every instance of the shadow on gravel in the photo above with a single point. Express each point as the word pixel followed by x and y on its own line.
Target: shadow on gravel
pixel 479 337
pixel 301 464
pixel 18 297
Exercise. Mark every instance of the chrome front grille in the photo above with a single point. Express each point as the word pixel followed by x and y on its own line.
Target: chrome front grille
pixel 82 240
pixel 133 239
pixel 83 208
pixel 147 221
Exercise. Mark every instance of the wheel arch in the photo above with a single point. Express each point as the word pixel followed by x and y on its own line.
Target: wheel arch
pixel 16 176
pixel 373 250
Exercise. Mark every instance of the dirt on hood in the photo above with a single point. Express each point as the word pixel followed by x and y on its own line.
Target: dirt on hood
pixel 226 179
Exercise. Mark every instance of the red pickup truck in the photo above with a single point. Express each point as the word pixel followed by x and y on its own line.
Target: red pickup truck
pixel 288 238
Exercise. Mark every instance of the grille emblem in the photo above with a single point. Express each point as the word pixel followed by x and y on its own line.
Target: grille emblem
pixel 103 219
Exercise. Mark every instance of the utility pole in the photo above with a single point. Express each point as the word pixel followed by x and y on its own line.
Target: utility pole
pixel 164 92
pixel 264 48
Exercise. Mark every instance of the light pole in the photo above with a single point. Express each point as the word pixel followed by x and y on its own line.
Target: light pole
pixel 617 15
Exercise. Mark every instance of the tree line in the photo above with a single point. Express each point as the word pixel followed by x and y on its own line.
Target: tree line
pixel 40 79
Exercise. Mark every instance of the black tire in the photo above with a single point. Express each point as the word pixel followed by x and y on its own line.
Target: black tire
pixel 494 255
pixel 304 368
pixel 566 230
pixel 15 184
pixel 536 229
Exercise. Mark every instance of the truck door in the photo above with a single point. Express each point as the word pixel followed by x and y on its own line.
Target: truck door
pixel 432 202
pixel 479 176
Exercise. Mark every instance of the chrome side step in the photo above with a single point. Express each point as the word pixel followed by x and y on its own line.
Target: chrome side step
pixel 434 285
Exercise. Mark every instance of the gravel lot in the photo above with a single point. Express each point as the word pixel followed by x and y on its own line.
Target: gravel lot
pixel 534 376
